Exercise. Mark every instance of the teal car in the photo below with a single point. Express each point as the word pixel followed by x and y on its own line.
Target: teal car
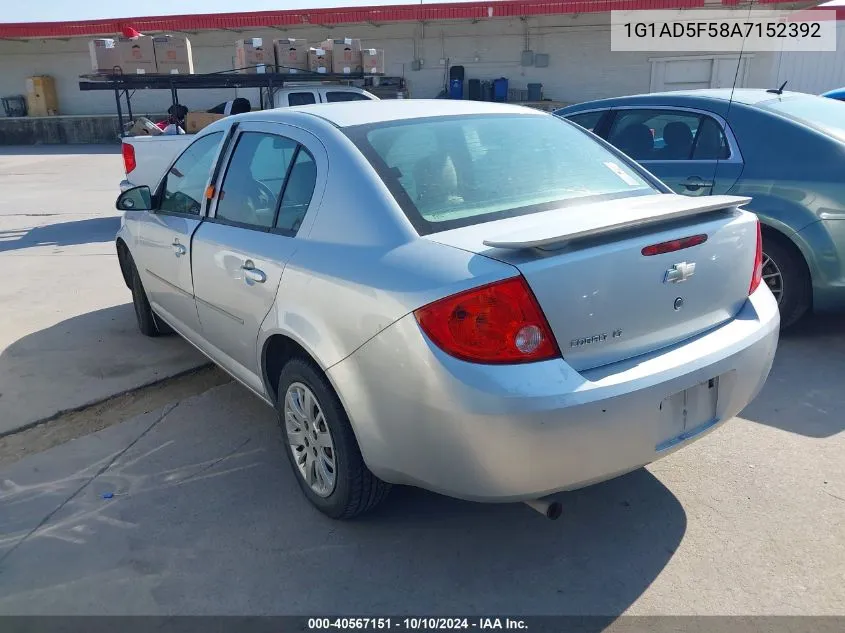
pixel 784 150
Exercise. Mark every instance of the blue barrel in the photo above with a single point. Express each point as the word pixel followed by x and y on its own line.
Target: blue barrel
pixel 456 89
pixel 535 92
pixel 500 89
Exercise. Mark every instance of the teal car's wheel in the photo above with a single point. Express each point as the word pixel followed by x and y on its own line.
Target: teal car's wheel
pixel 786 275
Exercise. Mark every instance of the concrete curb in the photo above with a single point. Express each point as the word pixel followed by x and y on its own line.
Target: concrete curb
pixel 98 401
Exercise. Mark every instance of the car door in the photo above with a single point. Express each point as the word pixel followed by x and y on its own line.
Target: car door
pixel 162 254
pixel 693 152
pixel 241 250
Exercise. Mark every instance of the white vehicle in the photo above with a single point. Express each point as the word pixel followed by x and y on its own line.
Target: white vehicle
pixel 146 157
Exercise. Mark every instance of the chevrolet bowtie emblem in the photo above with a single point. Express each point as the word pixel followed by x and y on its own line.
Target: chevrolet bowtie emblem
pixel 679 272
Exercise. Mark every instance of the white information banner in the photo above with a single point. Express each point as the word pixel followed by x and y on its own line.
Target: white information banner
pixel 722 31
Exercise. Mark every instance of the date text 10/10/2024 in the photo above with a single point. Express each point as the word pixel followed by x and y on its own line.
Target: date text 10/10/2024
pixel 414 624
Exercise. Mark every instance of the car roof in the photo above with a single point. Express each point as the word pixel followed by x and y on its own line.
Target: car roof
pixel 838 93
pixel 349 113
pixel 713 96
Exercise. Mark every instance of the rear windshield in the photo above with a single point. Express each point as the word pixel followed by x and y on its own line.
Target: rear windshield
pixel 827 115
pixel 448 172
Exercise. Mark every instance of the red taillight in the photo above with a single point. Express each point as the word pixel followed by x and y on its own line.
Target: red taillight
pixel 757 274
pixel 129 157
pixel 497 323
pixel 674 245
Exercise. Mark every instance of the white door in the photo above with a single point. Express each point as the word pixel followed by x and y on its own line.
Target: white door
pixel 694 72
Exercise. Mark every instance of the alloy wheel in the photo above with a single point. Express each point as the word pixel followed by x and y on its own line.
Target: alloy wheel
pixel 310 439
pixel 773 277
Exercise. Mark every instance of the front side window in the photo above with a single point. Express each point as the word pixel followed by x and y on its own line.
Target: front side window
pixel 254 180
pixel 183 189
pixel 668 135
pixel 333 97
pixel 447 172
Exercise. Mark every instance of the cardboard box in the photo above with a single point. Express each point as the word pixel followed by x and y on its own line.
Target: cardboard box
pixel 144 127
pixel 251 57
pixel 173 55
pixel 195 121
pixel 41 98
pixel 372 59
pixel 319 60
pixel 346 55
pixel 291 55
pixel 104 56
pixel 137 56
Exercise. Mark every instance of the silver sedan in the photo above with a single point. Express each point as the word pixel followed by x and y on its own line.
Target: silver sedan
pixel 478 299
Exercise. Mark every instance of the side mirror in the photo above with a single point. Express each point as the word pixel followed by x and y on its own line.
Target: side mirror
pixel 135 199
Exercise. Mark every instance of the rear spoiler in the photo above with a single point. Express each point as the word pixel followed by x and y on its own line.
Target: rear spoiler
pixel 590 220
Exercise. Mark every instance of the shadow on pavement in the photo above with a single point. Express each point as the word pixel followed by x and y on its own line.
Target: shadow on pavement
pixel 208 519
pixel 61 234
pixel 612 541
pixel 81 360
pixel 804 392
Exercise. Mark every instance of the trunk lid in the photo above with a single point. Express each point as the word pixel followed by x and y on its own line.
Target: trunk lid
pixel 604 299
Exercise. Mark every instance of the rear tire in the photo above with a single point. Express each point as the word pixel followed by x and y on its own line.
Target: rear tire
pixel 354 490
pixel 148 322
pixel 786 274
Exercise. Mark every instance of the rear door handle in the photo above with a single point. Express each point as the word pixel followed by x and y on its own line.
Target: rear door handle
pixel 252 273
pixel 694 182
pixel 178 249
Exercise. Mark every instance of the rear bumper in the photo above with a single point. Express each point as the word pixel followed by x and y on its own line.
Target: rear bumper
pixel 507 433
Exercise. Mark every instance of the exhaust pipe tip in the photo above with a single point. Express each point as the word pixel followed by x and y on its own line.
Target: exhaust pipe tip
pixel 549 509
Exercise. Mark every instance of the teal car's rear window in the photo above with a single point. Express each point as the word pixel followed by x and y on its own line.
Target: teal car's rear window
pixel 824 114
pixel 447 172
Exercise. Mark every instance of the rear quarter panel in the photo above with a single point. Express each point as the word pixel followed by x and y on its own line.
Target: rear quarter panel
pixel 793 174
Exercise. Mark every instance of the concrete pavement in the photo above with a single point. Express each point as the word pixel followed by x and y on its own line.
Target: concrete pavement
pixel 67 329
pixel 206 518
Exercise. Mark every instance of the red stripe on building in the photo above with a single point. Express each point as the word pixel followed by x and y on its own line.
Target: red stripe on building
pixel 330 17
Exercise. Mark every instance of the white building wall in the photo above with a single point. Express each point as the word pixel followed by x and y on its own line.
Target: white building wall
pixel 582 66
pixel 814 72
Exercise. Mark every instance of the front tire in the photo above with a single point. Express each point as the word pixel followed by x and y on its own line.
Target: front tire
pixel 786 275
pixel 148 323
pixel 321 445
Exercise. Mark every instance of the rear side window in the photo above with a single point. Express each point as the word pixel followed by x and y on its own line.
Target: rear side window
pixel 668 135
pixel 183 189
pixel 333 97
pixel 587 120
pixel 298 192
pixel 301 98
pixel 447 172
pixel 255 178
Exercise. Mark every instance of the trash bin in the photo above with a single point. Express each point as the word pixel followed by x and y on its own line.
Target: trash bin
pixel 456 89
pixel 500 89
pixel 14 106
pixel 535 92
